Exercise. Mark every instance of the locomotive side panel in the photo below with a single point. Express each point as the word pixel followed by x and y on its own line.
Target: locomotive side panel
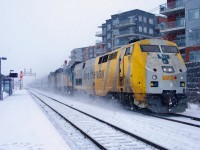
pixel 84 77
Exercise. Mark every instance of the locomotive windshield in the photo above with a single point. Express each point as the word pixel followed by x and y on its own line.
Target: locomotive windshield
pixel 150 48
pixel 169 49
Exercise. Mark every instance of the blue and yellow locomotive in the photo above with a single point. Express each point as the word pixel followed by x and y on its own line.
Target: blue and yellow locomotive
pixel 148 74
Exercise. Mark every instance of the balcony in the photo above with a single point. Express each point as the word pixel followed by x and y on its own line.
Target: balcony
pixel 100 42
pixel 124 33
pixel 180 43
pixel 125 23
pixel 100 34
pixel 172 8
pixel 173 26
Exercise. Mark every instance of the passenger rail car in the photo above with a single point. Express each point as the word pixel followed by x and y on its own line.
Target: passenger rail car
pixel 149 74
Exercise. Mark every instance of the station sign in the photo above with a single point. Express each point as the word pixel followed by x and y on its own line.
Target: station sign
pixel 13 75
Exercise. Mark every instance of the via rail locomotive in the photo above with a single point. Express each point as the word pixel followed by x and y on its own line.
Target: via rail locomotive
pixel 148 74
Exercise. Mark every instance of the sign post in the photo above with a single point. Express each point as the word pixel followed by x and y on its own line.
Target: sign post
pixel 25 73
pixel 21 80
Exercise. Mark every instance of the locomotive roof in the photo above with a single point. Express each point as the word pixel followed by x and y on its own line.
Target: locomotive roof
pixel 152 41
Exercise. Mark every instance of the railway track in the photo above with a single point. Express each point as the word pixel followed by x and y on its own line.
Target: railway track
pixel 178 118
pixel 101 133
pixel 181 115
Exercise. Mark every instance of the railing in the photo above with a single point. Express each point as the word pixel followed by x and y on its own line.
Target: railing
pixel 127 32
pixel 173 24
pixel 100 33
pixel 124 23
pixel 99 42
pixel 180 43
pixel 171 6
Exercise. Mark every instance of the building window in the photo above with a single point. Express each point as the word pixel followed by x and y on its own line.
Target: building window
pixel 145 19
pixel 140 28
pixel 150 21
pixel 151 31
pixel 115 32
pixel 140 18
pixel 194 14
pixel 108 26
pixel 104 30
pixel 179 3
pixel 145 29
pixel 194 34
pixel 194 55
pixel 116 42
pixel 109 45
pixel 108 36
pixel 116 21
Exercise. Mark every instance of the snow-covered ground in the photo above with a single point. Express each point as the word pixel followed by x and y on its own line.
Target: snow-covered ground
pixel 193 110
pixel 5 94
pixel 24 126
pixel 168 134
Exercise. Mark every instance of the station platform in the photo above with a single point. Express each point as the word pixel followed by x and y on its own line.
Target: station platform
pixel 23 125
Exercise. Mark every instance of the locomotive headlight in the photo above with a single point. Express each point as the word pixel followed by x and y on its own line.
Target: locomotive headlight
pixel 154 77
pixel 168 69
pixel 181 77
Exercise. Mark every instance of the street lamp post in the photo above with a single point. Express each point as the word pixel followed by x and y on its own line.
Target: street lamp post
pixel 1 93
pixel 13 79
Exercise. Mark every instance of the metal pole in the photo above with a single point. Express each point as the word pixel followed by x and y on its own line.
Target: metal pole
pixel 13 83
pixel 12 80
pixel 1 94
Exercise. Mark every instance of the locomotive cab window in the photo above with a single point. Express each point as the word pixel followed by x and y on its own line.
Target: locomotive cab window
pixel 150 48
pixel 169 49
pixel 100 60
pixel 112 55
pixel 105 58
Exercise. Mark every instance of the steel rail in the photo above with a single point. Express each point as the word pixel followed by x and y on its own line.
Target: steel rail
pixel 109 124
pixel 85 134
pixel 172 120
pixel 190 117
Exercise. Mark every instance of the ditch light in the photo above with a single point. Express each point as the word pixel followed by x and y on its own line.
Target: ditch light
pixel 154 84
pixel 182 84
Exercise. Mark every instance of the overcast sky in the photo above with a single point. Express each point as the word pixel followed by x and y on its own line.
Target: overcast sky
pixel 40 34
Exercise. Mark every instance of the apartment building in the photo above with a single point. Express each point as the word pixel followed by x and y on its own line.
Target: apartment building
pixel 126 26
pixel 76 55
pixel 85 53
pixel 174 27
pixel 192 15
pixel 182 26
